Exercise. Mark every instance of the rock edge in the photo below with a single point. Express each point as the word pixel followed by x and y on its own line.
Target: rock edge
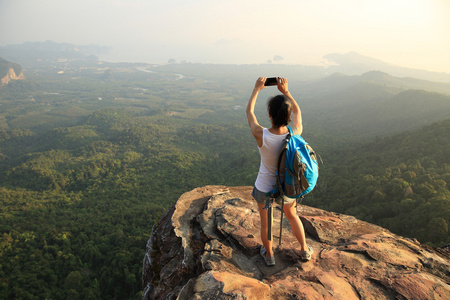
pixel 207 247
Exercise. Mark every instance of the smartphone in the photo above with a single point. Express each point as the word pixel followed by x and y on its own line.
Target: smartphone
pixel 271 81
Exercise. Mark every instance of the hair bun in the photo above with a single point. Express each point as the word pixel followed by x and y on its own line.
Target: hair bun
pixel 280 109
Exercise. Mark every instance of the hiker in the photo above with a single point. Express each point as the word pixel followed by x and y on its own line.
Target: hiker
pixel 269 140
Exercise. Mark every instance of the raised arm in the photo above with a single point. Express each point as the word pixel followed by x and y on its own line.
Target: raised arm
pixel 257 130
pixel 297 113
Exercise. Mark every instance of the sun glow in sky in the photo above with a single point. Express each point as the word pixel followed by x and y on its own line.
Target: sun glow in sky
pixel 410 33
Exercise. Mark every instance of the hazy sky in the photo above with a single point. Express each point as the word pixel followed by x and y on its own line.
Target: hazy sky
pixel 411 33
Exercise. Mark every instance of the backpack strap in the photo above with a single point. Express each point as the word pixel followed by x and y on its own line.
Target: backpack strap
pixel 293 130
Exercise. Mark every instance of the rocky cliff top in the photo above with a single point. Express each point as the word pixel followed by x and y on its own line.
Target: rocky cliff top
pixel 207 247
pixel 9 71
pixel 11 75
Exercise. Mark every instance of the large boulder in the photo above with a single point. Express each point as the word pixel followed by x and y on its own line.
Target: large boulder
pixel 207 247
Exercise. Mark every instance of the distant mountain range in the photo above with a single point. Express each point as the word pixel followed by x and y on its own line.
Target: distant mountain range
pixel 355 64
pixel 30 52
pixel 339 81
pixel 350 63
pixel 372 104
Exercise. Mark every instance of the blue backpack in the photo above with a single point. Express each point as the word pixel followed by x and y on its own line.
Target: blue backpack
pixel 301 169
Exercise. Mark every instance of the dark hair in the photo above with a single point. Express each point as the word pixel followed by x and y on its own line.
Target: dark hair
pixel 280 109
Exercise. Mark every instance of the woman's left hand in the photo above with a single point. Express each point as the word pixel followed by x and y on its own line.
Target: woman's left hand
pixel 282 85
pixel 259 85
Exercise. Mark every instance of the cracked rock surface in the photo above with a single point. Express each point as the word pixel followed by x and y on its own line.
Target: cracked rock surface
pixel 207 247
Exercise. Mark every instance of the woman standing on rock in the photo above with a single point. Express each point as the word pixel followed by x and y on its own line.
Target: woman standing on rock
pixel 269 140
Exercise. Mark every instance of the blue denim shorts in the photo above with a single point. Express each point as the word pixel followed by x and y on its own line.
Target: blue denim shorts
pixel 259 196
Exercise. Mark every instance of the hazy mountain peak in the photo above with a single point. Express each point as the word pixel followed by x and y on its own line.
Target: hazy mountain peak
pixel 353 63
pixel 353 58
pixel 375 74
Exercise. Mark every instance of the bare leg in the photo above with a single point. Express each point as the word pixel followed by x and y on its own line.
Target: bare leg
pixel 265 230
pixel 296 225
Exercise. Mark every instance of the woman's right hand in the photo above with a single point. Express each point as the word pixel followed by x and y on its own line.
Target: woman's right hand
pixel 259 85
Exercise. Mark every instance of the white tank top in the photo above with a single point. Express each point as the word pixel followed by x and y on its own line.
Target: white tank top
pixel 269 152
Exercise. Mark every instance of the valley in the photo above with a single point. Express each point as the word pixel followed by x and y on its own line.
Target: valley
pixel 93 153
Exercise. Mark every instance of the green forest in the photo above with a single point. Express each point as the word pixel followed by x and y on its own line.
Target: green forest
pixel 91 157
pixel 399 182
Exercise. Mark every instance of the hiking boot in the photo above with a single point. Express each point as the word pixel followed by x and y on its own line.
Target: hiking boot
pixel 306 255
pixel 270 261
